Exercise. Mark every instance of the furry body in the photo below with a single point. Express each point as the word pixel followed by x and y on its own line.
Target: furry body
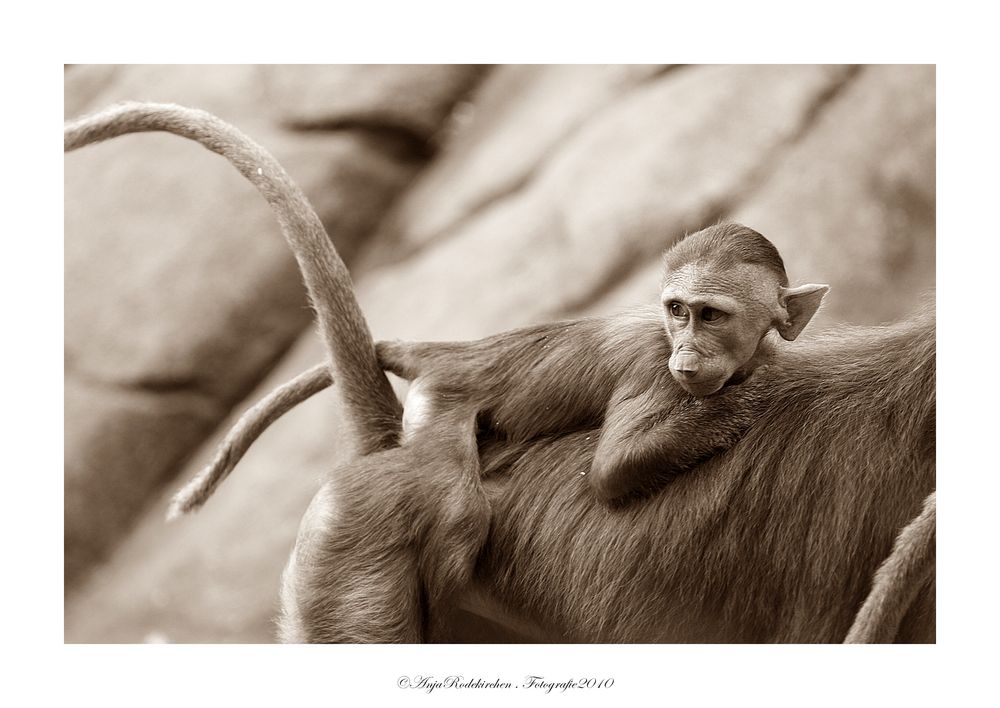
pixel 775 540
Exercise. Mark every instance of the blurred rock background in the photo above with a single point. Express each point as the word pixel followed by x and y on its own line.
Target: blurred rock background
pixel 466 200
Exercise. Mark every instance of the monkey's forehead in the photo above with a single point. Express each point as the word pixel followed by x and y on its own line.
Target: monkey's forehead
pixel 746 283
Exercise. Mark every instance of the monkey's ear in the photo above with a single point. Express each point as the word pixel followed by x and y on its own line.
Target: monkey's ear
pixel 801 304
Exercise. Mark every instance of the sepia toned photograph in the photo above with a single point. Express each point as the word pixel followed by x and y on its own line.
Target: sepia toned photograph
pixel 500 354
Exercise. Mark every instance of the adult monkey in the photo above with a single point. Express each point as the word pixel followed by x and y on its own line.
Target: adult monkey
pixel 900 599
pixel 388 585
pixel 776 540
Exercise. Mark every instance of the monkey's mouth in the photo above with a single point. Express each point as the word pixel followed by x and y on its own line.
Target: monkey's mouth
pixel 701 388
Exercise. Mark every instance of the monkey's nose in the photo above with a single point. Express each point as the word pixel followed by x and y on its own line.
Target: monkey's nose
pixel 686 365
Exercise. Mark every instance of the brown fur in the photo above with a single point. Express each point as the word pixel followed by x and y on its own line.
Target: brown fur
pixel 723 246
pixel 355 578
pixel 386 570
pixel 775 540
pixel 908 571
pixel 389 542
pixel 608 373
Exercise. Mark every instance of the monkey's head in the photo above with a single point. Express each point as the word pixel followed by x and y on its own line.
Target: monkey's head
pixel 724 289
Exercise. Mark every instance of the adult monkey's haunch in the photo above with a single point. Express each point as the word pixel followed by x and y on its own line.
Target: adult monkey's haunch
pixel 429 522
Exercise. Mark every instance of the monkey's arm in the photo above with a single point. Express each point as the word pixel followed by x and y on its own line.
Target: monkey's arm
pixel 663 430
pixel 506 353
pixel 411 360
pixel 242 435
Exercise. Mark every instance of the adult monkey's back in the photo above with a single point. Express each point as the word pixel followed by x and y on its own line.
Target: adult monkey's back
pixel 372 409
pixel 777 540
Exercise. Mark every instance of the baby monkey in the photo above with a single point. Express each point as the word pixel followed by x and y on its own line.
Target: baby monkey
pixel 668 386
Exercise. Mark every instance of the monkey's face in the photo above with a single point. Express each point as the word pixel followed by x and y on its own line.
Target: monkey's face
pixel 715 321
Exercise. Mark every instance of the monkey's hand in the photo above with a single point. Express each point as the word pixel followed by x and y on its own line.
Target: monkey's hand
pixel 397 358
pixel 661 432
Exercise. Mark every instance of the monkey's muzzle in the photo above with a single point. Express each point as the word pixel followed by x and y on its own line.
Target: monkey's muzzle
pixel 686 366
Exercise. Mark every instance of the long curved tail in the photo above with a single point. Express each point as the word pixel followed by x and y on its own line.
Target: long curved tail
pixel 897 582
pixel 372 409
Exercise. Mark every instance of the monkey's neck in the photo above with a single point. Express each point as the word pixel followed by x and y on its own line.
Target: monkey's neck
pixel 763 354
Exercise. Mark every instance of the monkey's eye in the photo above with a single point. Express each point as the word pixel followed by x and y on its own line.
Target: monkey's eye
pixel 710 314
pixel 677 310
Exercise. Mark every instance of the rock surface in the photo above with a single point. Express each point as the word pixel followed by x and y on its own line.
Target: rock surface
pixel 417 98
pixel 853 204
pixel 510 225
